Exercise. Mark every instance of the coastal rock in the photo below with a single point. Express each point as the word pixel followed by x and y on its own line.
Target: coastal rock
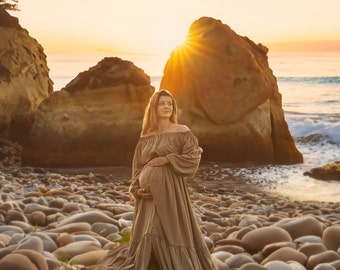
pixel 24 79
pixel 94 121
pixel 330 171
pixel 228 95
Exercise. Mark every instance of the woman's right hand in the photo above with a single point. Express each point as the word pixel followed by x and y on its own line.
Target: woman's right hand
pixel 143 194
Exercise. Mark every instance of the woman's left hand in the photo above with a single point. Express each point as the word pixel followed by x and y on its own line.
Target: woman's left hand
pixel 158 161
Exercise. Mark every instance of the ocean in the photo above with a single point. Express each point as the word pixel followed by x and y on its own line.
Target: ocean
pixel 310 88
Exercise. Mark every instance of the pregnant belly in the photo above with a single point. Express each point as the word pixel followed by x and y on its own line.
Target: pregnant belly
pixel 151 176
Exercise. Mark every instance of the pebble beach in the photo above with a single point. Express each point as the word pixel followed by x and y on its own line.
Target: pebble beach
pixel 71 218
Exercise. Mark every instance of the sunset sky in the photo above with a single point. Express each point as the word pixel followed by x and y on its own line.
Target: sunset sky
pixel 157 26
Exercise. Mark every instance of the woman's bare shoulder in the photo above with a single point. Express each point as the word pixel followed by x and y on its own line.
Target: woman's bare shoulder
pixel 180 128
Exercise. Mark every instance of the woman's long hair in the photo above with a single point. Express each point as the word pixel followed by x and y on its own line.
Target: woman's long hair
pixel 150 121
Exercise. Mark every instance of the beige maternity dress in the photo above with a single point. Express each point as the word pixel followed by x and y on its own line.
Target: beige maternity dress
pixel 164 228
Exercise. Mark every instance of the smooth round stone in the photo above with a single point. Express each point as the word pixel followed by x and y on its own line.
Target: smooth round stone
pixel 308 239
pixel 35 257
pixel 277 265
pixel 219 265
pixel 32 243
pixel 72 227
pixel 89 258
pixel 242 232
pixel 88 217
pixel 57 203
pixel 5 239
pixel 310 249
pixel 336 264
pixel 42 201
pixel 10 230
pixel 70 207
pixel 216 237
pixel 6 250
pixel 295 265
pixel 230 248
pixel 252 266
pixel 124 223
pixel 324 257
pixel 37 218
pixel 298 227
pixel 57 192
pixel 48 243
pixel 269 249
pixel 222 255
pixel 114 237
pixel 331 237
pixel 104 229
pixel 286 254
pixel 126 216
pixel 33 207
pixel 211 227
pixel 27 228
pixel 324 266
pixel 16 238
pixel 65 239
pixel 16 262
pixel 55 264
pixel 209 243
pixel 84 237
pixel 236 261
pixel 116 208
pixel 50 219
pixel 14 214
pixel 257 239
pixel 69 251
pixel 248 220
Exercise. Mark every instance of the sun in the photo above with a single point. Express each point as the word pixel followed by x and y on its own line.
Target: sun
pixel 171 38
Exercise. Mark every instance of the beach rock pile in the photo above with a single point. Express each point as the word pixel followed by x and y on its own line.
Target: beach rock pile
pixel 227 94
pixel 24 78
pixel 71 219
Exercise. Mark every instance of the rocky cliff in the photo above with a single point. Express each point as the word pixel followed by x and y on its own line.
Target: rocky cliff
pixel 24 79
pixel 228 95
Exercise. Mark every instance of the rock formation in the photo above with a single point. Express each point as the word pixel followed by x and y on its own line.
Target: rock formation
pixel 228 95
pixel 24 79
pixel 94 121
pixel 330 171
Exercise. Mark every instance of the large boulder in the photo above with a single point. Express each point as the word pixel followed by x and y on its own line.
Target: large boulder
pixel 94 121
pixel 228 95
pixel 24 79
pixel 330 171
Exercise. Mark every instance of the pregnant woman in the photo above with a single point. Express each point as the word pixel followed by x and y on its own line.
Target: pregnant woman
pixel 165 234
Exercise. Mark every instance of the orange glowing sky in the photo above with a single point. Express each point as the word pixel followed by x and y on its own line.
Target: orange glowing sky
pixel 157 26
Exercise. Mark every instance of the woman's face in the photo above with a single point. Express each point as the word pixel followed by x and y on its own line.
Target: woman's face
pixel 165 107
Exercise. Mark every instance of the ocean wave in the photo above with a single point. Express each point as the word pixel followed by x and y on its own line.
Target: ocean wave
pixel 314 128
pixel 311 80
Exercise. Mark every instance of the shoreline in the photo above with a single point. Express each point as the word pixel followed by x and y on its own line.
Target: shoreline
pixel 208 179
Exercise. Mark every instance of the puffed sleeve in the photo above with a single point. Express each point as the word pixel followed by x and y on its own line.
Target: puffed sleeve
pixel 186 163
pixel 136 169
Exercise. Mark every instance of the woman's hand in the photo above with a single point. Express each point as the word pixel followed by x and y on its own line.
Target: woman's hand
pixel 141 193
pixel 158 161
